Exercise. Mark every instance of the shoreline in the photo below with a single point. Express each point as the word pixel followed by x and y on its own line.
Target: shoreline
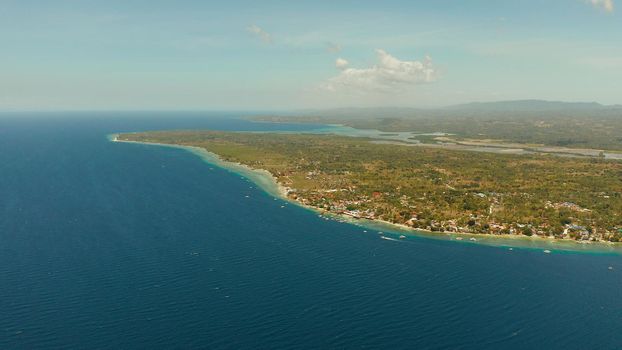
pixel 269 184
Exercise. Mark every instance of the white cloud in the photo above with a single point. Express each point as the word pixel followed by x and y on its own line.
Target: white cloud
pixel 389 75
pixel 606 5
pixel 341 63
pixel 260 33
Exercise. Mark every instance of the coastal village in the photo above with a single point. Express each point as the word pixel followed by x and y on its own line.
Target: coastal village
pixel 474 224
pixel 430 189
pixel 362 206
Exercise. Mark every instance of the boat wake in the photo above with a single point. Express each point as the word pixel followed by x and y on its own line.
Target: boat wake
pixel 389 238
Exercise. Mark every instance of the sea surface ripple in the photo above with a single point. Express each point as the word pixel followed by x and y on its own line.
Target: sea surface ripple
pixel 111 245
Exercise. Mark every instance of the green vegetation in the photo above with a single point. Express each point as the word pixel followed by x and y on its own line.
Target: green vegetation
pixel 428 188
pixel 594 128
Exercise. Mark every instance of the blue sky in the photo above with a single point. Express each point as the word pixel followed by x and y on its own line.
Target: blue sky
pixel 239 55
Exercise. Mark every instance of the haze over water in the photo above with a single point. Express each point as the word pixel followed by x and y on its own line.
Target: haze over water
pixel 112 245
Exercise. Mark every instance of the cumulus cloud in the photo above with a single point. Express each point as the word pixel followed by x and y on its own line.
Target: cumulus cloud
pixel 341 63
pixel 606 5
pixel 260 33
pixel 389 75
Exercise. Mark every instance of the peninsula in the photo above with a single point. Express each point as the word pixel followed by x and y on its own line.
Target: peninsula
pixel 429 189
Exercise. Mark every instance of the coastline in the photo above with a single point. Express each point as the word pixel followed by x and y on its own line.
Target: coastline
pixel 269 184
pixel 261 177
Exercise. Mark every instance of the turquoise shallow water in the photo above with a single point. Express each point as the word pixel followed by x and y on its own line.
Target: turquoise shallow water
pixel 109 245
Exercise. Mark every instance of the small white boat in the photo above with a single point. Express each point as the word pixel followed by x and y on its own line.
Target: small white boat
pixel 458 238
pixel 402 237
pixel 547 251
pixel 473 239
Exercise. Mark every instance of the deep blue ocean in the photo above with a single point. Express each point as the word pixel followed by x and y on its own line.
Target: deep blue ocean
pixel 113 245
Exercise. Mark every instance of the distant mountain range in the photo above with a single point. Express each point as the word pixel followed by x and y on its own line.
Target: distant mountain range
pixel 527 107
pixel 530 106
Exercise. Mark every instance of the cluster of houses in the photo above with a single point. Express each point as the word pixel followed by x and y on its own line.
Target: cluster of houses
pixel 353 208
pixel 567 205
